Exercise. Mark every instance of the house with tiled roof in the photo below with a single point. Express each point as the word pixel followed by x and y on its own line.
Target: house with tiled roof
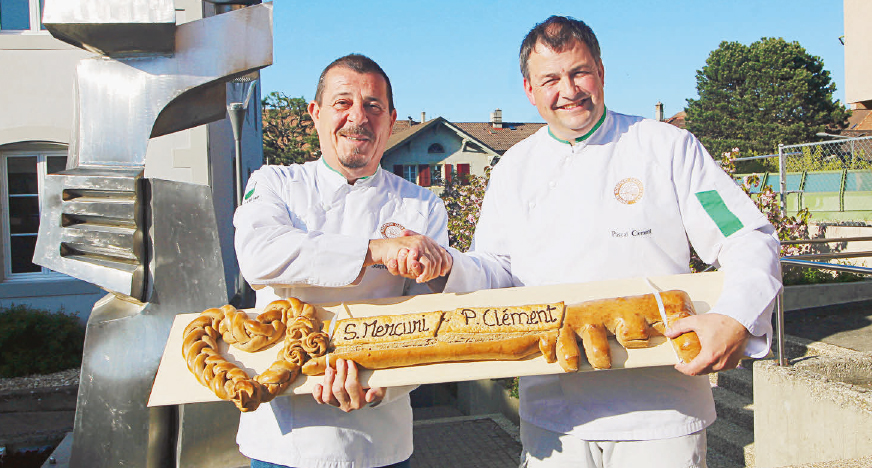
pixel 678 120
pixel 434 152
pixel 859 124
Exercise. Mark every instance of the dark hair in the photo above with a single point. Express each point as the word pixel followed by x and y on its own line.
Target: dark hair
pixel 557 33
pixel 360 64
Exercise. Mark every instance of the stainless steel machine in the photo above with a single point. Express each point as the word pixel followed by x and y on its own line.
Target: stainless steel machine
pixel 153 244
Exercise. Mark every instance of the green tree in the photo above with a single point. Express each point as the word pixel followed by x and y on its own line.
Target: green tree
pixel 289 134
pixel 755 97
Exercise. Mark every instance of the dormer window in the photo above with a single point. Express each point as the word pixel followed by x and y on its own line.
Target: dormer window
pixel 435 148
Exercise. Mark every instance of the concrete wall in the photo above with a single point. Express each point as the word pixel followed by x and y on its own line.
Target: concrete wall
pixel 816 410
pixel 819 295
pixel 858 49
pixel 37 102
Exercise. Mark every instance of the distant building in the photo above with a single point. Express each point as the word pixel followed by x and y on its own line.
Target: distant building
pixel 433 152
pixel 858 49
pixel 678 120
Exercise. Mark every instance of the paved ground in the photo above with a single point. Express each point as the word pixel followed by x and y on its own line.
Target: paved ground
pixel 845 326
pixel 445 438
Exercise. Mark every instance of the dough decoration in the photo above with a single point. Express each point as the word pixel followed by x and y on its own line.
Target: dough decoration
pixel 387 341
pixel 228 381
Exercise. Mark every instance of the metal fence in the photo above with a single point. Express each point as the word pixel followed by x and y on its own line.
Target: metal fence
pixel 841 166
pixel 838 166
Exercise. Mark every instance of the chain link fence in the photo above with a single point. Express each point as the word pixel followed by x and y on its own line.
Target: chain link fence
pixel 832 179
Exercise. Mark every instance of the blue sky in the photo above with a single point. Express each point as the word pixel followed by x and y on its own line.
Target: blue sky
pixel 458 59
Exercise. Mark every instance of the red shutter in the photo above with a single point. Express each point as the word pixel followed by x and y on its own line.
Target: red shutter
pixel 463 173
pixel 398 169
pixel 448 172
pixel 424 175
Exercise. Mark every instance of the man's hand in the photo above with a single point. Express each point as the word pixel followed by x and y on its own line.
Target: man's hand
pixel 722 341
pixel 411 256
pixel 343 390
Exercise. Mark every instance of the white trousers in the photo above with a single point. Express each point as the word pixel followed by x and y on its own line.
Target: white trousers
pixel 546 449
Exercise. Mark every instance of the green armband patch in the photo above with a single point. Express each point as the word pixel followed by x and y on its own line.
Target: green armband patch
pixel 714 205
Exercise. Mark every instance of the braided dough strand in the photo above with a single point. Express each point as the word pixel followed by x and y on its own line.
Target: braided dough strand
pixel 228 381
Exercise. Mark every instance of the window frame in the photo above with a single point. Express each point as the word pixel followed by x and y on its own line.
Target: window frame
pixel 34 9
pixel 42 157
pixel 406 170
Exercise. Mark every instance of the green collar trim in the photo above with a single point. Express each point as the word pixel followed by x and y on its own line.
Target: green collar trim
pixel 343 176
pixel 586 135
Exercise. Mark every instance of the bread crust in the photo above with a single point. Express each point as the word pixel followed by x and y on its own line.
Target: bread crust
pixel 631 320
pixel 388 341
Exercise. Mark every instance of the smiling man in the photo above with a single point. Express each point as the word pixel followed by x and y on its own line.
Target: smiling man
pixel 320 232
pixel 598 195
pixel 353 114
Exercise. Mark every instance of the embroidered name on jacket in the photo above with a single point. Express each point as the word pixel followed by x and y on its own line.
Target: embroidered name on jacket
pixel 627 233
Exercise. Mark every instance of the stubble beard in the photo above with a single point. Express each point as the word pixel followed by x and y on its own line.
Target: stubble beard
pixel 356 158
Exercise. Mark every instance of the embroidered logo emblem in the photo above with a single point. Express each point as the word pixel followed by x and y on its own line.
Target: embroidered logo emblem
pixel 629 190
pixel 391 230
pixel 250 192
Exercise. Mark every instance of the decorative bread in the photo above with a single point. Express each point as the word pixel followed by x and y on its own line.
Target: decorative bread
pixel 465 334
pixel 229 382
pixel 387 341
pixel 631 320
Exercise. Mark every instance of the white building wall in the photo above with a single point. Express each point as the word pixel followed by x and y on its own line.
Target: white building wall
pixel 37 104
pixel 858 49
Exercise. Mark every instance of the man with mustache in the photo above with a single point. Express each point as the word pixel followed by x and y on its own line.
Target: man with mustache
pixel 322 232
pixel 597 195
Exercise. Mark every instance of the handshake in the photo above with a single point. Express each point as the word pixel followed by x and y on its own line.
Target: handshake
pixel 411 256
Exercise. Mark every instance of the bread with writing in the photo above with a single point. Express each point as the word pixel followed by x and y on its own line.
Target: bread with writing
pixel 464 334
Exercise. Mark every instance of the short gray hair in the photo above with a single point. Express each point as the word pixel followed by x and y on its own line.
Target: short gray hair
pixel 361 64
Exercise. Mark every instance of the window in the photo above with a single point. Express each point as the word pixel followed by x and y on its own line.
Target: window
pixel 410 173
pixel 21 15
pixel 435 148
pixel 436 174
pixel 23 173
pixel 425 175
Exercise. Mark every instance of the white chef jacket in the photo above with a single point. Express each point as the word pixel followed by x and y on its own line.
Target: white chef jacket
pixel 303 231
pixel 621 203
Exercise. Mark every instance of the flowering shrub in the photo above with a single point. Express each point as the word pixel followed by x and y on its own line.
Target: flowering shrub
pixel 767 201
pixel 463 197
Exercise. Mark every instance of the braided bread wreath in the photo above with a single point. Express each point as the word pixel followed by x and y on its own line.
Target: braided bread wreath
pixel 292 318
pixel 631 320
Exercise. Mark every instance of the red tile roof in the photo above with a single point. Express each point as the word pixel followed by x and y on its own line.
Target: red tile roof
pixel 678 120
pixel 499 139
pixel 861 119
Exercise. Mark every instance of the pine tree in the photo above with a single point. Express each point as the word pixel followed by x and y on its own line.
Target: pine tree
pixel 755 97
